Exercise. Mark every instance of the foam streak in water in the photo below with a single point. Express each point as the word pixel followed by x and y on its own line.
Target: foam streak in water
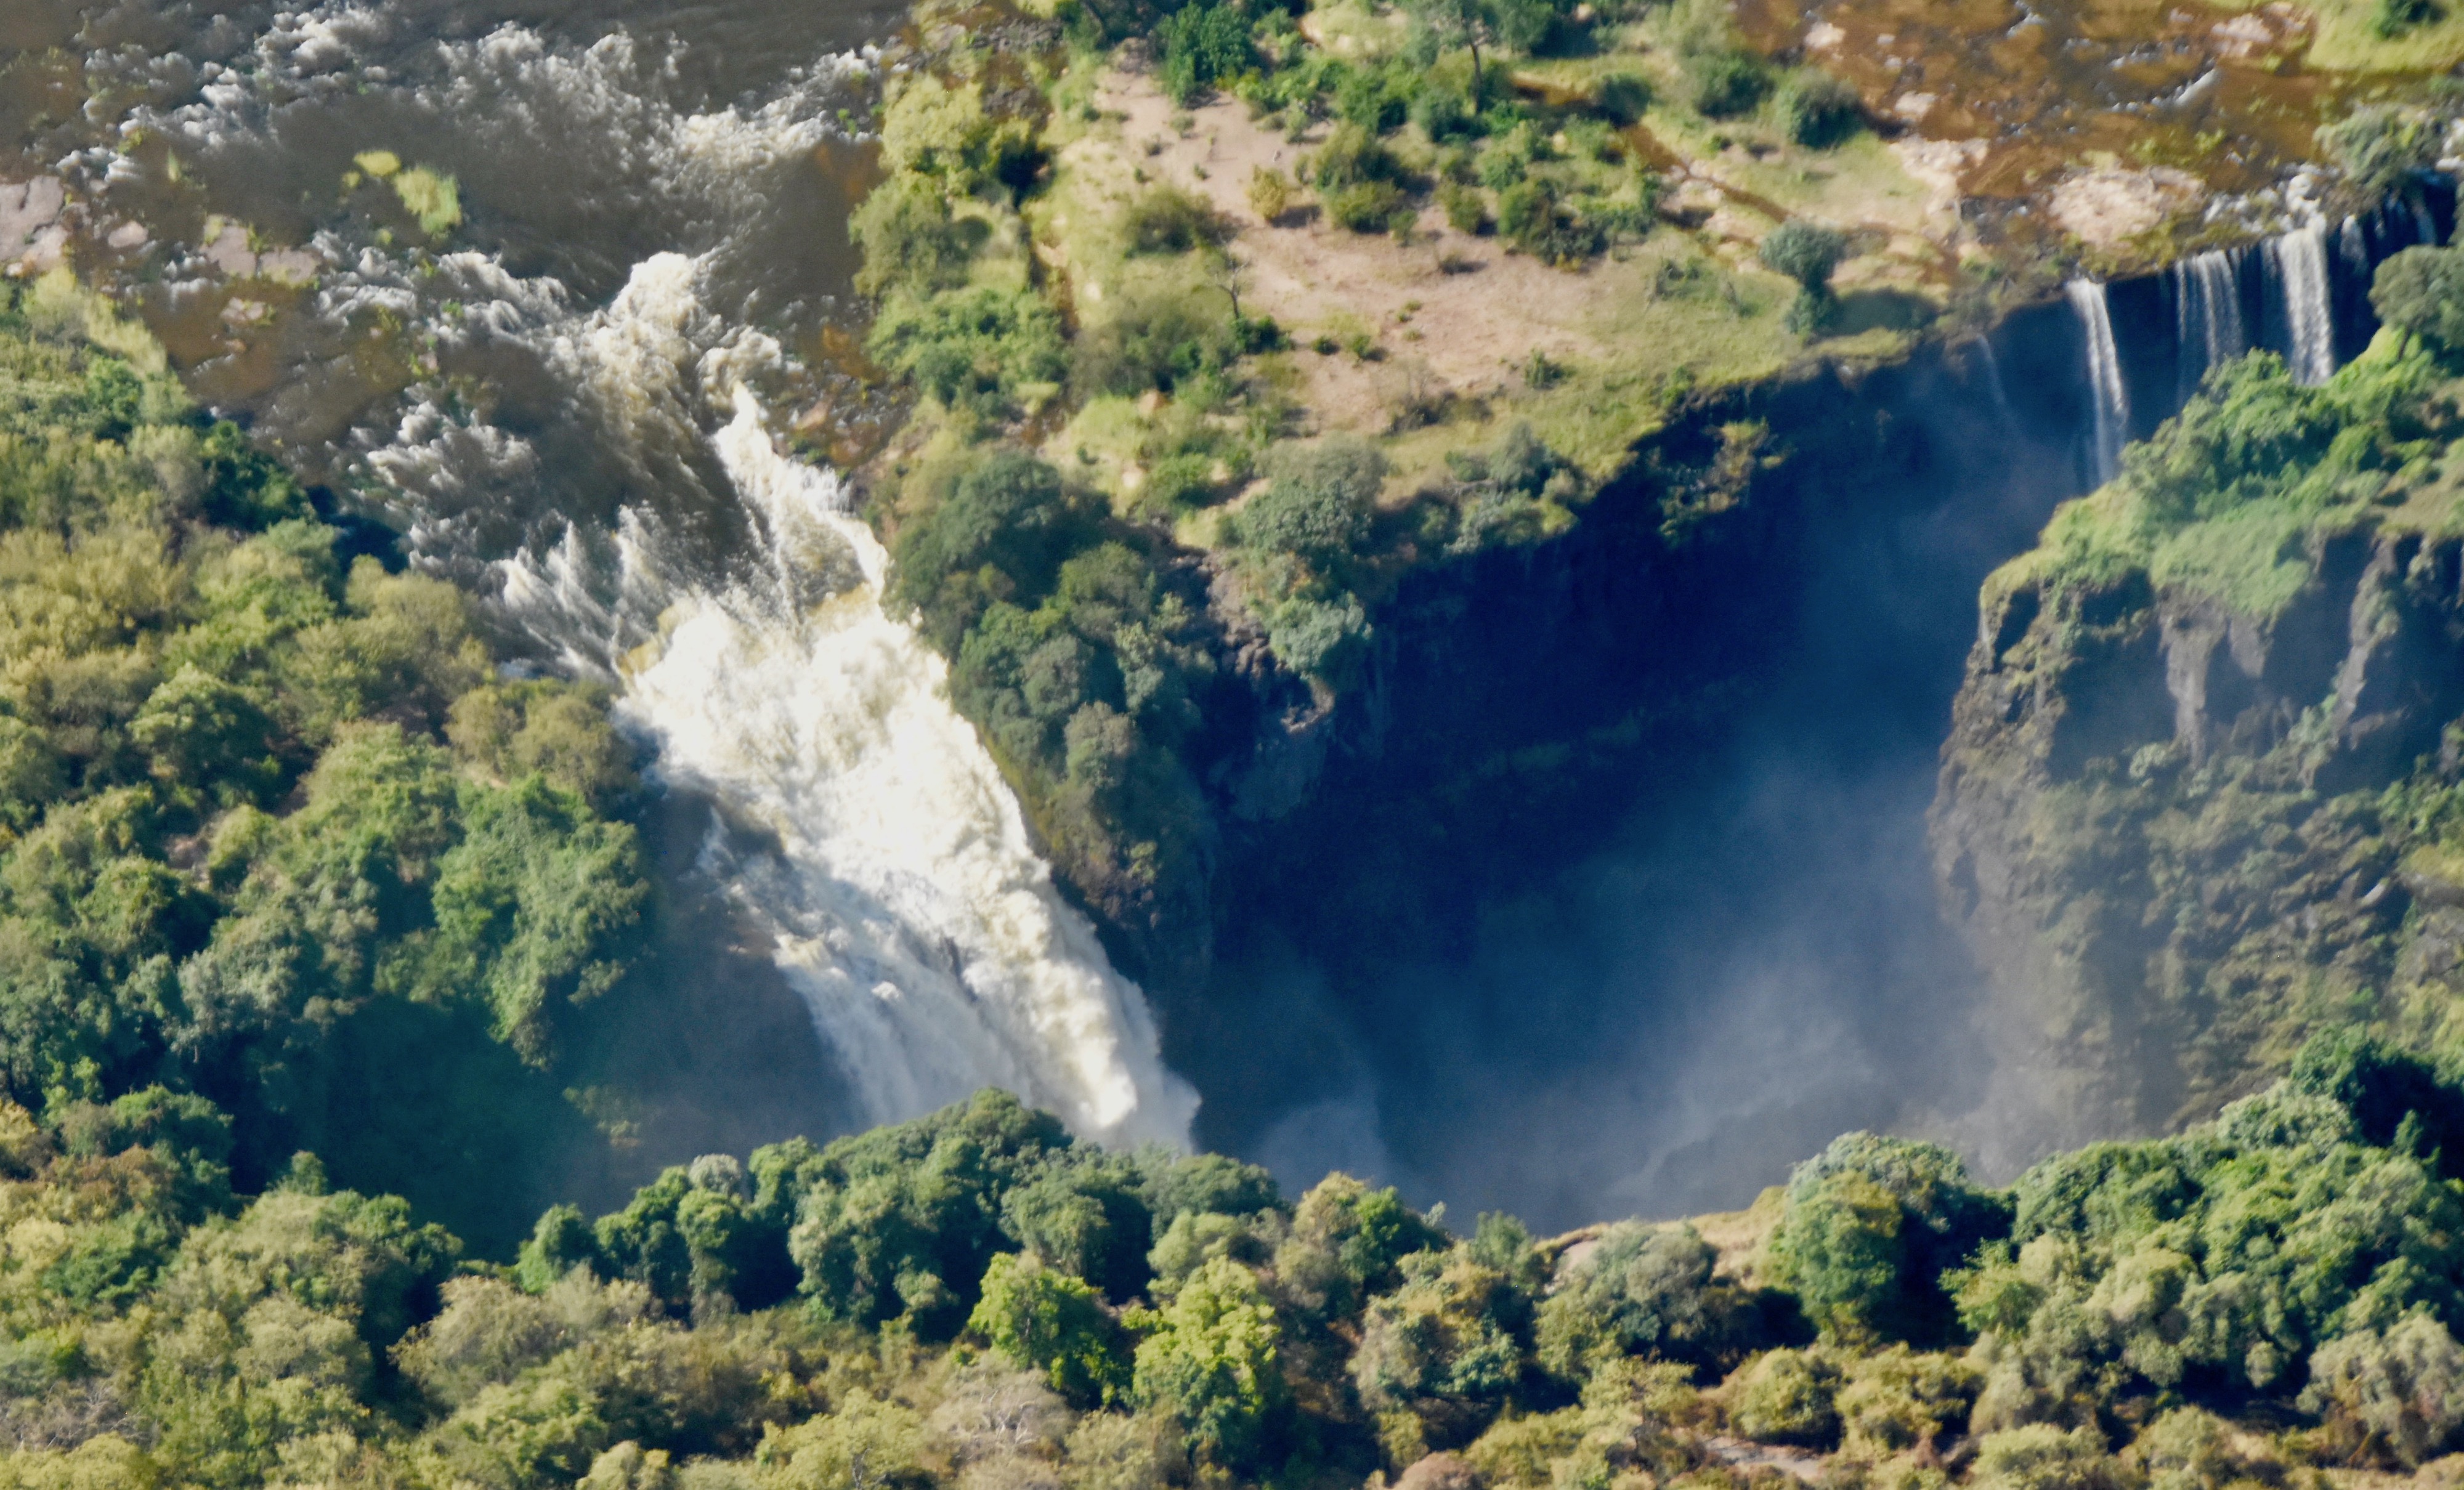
pixel 910 907
pixel 2112 401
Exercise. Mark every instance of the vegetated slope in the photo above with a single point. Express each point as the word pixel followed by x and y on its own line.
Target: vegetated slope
pixel 2202 797
pixel 278 853
pixel 1156 485
pixel 974 1300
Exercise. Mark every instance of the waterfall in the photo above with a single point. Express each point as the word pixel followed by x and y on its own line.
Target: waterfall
pixel 2207 319
pixel 2112 401
pixel 1992 368
pixel 2299 261
pixel 616 497
pixel 904 900
pixel 896 883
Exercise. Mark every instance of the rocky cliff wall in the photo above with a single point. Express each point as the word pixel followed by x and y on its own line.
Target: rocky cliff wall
pixel 2181 834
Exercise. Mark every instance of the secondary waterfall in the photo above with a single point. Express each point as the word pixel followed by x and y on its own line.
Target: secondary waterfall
pixel 2298 263
pixel 2111 406
pixel 2208 313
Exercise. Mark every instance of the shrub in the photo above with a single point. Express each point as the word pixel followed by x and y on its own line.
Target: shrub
pixel 1466 209
pixel 1441 1346
pixel 1370 101
pixel 1903 1401
pixel 2394 1396
pixel 1319 639
pixel 1804 251
pixel 909 238
pixel 930 129
pixel 1808 253
pixel 2191 1449
pixel 1524 26
pixel 1529 219
pixel 1047 1322
pixel 1270 193
pixel 971 349
pixel 1871 1223
pixel 1214 1363
pixel 1352 155
pixel 1507 159
pixel 1818 110
pixel 1526 212
pixel 1641 1290
pixel 2392 18
pixel 1366 206
pixel 1785 1396
pixel 1723 83
pixel 2421 291
pixel 2041 1457
pixel 1442 114
pixel 2381 145
pixel 1204 45
pixel 1154 339
pixel 1168 220
pixel 1318 499
pixel 1623 97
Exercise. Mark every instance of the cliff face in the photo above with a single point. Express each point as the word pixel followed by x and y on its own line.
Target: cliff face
pixel 2183 825
pixel 1807 550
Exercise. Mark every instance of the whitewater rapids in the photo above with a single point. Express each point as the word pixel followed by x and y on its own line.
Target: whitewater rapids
pixel 907 905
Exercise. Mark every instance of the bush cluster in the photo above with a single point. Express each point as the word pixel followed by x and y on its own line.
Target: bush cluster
pixel 270 834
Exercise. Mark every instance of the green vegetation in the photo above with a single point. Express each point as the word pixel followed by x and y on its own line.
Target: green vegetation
pixel 973 1298
pixel 2196 839
pixel 1807 253
pixel 277 855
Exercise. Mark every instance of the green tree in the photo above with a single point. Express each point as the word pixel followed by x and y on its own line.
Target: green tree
pixel 1316 504
pixel 1871 1224
pixel 1640 1290
pixel 1808 253
pixel 1204 44
pixel 1214 1361
pixel 2420 291
pixel 1044 1319
pixel 903 1221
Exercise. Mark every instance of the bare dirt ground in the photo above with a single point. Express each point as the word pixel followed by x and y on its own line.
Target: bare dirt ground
pixel 1471 329
pixel 1454 318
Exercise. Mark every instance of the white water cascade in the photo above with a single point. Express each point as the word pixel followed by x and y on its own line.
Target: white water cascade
pixel 2207 319
pixel 2112 401
pixel 2298 262
pixel 898 888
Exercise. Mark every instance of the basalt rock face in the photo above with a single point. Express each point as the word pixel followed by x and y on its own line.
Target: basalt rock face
pixel 2177 836
pixel 1525 703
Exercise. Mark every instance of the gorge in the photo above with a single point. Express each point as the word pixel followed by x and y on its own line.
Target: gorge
pixel 1043 746
pixel 1660 806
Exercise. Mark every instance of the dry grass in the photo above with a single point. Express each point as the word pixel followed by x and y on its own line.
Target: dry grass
pixel 1451 318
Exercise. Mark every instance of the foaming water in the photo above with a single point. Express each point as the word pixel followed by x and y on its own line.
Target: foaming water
pixel 562 406
pixel 894 876
pixel 906 901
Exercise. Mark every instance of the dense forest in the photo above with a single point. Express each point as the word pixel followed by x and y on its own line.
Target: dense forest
pixel 318 918
pixel 258 794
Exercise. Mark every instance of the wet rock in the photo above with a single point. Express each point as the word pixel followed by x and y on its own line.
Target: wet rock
pixel 2105 207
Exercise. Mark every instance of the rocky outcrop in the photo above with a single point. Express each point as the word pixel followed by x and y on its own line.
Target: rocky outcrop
pixel 2158 822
